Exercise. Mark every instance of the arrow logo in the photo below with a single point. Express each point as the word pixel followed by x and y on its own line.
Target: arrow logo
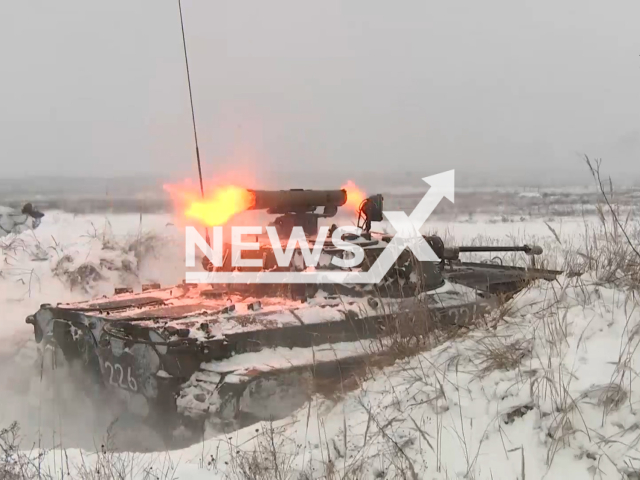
pixel 407 235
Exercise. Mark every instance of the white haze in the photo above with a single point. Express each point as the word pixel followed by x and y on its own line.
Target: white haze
pixel 502 91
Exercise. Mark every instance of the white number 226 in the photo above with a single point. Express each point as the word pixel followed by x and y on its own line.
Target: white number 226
pixel 131 382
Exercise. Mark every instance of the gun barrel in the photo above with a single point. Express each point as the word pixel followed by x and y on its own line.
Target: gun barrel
pixel 528 249
pixel 298 200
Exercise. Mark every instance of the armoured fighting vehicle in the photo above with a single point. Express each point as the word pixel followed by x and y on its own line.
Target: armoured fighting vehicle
pixel 246 352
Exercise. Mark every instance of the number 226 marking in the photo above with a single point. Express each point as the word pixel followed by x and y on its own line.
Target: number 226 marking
pixel 131 382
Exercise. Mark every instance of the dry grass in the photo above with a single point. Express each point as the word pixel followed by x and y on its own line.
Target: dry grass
pixel 16 463
pixel 499 353
pixel 269 456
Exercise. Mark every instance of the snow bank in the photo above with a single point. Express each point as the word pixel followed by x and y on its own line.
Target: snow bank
pixel 548 391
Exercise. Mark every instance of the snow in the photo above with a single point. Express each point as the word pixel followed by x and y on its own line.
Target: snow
pixel 548 391
pixel 451 418
pixel 530 194
pixel 277 358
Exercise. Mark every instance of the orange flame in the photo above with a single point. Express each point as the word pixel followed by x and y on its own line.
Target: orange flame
pixel 355 196
pixel 218 206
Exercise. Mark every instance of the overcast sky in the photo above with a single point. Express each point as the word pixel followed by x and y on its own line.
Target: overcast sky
pixel 498 87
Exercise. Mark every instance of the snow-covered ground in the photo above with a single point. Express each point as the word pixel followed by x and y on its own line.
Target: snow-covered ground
pixel 545 389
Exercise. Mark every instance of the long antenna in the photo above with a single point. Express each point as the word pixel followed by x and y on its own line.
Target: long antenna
pixel 193 115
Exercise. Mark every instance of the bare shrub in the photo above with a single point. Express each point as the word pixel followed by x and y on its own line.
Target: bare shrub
pixel 145 244
pixel 15 463
pixel 107 465
pixel 122 257
pixel 81 277
pixel 269 456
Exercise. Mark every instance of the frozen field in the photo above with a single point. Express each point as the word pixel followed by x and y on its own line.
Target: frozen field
pixel 548 391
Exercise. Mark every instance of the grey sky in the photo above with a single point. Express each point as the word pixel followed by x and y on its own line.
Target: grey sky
pixel 497 86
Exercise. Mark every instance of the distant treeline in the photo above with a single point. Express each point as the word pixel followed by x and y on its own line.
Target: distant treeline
pixel 530 204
